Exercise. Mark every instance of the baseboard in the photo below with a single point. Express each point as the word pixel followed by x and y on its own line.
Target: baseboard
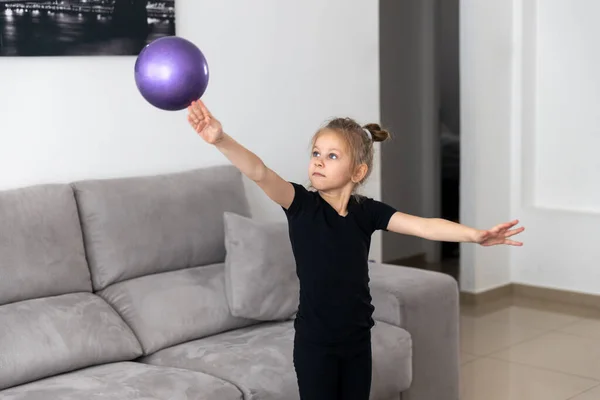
pixel 531 292
pixel 557 295
pixel 488 296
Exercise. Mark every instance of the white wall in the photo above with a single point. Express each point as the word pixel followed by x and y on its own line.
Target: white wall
pixel 556 182
pixel 530 102
pixel 278 70
pixel 486 107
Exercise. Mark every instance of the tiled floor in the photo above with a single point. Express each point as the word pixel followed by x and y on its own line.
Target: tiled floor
pixel 519 349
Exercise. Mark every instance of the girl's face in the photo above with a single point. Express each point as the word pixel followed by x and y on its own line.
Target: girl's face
pixel 330 164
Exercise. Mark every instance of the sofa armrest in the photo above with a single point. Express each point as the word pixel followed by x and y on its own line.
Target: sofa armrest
pixel 426 304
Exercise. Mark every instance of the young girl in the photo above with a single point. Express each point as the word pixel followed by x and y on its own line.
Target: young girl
pixel 330 231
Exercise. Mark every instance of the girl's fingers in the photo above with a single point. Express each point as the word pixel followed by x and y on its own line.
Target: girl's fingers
pixel 203 108
pixel 514 232
pixel 497 229
pixel 196 111
pixel 192 120
pixel 507 225
pixel 196 124
pixel 512 223
pixel 502 228
pixel 513 243
pixel 191 114
pixel 197 116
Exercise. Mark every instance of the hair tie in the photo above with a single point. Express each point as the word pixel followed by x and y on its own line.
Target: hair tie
pixel 368 133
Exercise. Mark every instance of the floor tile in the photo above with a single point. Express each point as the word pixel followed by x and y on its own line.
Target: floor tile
pixel 587 328
pixel 570 309
pixel 530 318
pixel 559 352
pixel 482 337
pixel 484 309
pixel 593 394
pixel 488 379
pixel 466 357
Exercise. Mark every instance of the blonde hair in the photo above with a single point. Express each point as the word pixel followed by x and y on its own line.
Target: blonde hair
pixel 360 144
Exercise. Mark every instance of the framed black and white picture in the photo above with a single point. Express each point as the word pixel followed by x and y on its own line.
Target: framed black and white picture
pixel 82 27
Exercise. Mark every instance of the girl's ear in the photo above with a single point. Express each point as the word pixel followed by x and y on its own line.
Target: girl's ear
pixel 359 173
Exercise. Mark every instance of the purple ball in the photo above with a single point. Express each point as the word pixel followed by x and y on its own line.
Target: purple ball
pixel 171 72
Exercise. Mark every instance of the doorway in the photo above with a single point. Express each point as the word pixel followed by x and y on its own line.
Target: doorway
pixel 449 124
pixel 420 105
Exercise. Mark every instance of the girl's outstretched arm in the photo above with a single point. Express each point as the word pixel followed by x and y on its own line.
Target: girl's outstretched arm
pixel 210 129
pixel 447 231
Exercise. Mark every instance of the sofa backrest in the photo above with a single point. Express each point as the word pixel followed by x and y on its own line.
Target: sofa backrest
pixel 41 248
pixel 156 247
pixel 145 225
pixel 50 321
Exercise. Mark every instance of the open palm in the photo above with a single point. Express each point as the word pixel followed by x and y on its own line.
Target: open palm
pixel 500 234
pixel 203 122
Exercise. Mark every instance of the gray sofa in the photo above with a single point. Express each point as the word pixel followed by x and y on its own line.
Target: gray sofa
pixel 115 289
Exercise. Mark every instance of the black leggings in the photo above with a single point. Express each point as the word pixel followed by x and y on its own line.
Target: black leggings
pixel 341 372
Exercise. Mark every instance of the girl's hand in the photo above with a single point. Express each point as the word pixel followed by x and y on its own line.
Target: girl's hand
pixel 205 125
pixel 499 234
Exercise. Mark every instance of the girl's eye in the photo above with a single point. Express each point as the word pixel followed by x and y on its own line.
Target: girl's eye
pixel 315 154
pixel 333 156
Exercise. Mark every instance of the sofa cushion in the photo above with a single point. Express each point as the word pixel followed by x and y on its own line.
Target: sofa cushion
pixel 41 246
pixel 44 337
pixel 258 360
pixel 144 225
pixel 126 381
pixel 174 307
pixel 260 269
